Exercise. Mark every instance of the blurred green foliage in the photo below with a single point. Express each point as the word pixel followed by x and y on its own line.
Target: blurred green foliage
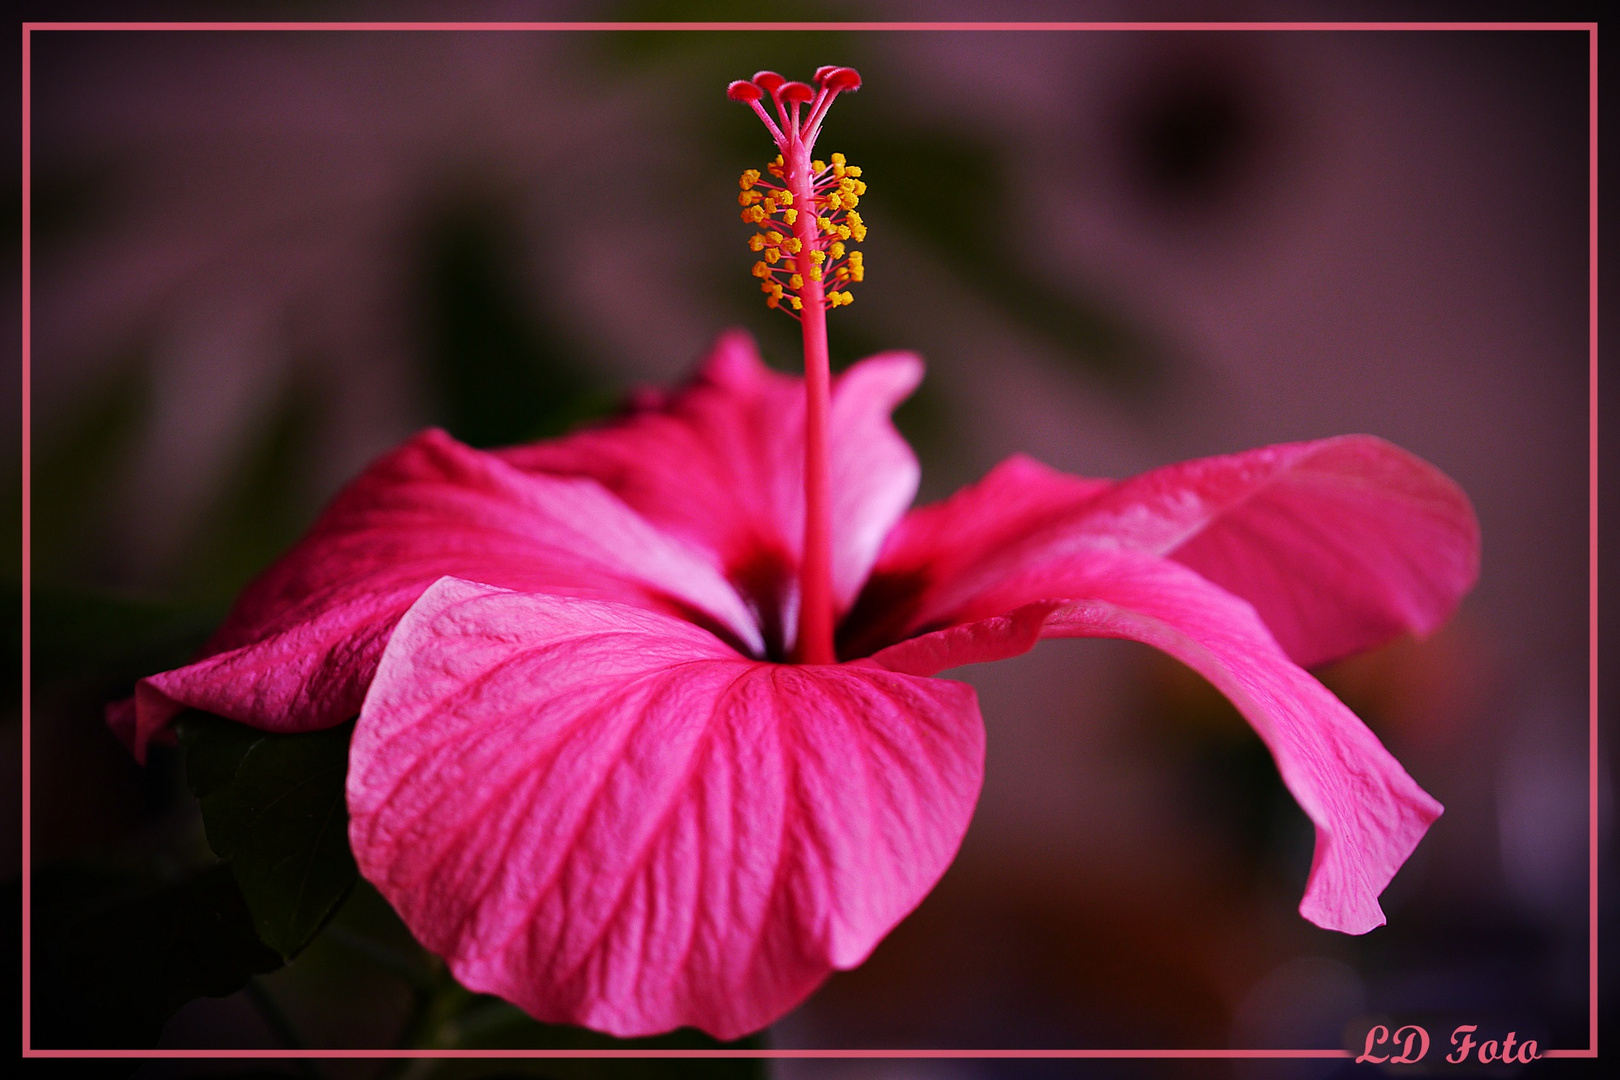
pixel 266 499
pixel 502 371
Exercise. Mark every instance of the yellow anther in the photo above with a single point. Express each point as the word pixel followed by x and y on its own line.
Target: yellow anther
pixel 855 219
pixel 815 273
pixel 837 249
pixel 853 170
pixel 856 258
pixel 773 236
pixel 818 166
pixel 844 232
pixel 790 216
pixel 794 245
pixel 839 171
pixel 839 159
pixel 798 305
pixel 826 224
pixel 857 273
pixel 756 242
pixel 760 270
pixel 777 160
pixel 790 265
pixel 771 301
pixel 860 187
pixel 858 232
pixel 796 282
pixel 753 215
pixel 771 255
pixel 841 274
pixel 818 257
pixel 748 179
pixel 747 198
pixel 851 200
pixel 846 185
pixel 783 197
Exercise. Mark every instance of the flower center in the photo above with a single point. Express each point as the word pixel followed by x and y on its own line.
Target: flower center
pixel 807 218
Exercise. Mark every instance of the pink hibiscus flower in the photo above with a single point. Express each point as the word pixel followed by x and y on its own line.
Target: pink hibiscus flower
pixel 647 730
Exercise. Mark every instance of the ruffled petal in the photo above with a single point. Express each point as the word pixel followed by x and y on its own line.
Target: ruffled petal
pixel 1340 544
pixel 720 463
pixel 605 816
pixel 1369 814
pixel 299 648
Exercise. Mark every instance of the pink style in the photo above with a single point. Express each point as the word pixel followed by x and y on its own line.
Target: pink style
pixel 584 771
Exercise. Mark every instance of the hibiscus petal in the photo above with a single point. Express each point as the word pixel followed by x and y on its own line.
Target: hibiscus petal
pixel 298 650
pixel 1369 814
pixel 605 816
pixel 1340 544
pixel 721 464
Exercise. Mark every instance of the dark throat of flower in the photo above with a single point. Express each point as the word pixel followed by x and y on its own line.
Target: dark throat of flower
pixel 815 203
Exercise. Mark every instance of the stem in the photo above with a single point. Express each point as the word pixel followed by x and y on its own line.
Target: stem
pixel 815 638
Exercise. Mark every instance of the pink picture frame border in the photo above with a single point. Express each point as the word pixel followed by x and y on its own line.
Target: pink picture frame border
pixel 1590 1051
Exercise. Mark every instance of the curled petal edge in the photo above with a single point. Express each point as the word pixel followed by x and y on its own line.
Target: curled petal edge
pixel 1368 813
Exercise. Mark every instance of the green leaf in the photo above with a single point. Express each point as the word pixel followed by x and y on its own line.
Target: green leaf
pixel 274 808
pixel 115 955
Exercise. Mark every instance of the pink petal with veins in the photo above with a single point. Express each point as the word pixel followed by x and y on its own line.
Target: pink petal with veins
pixel 1340 544
pixel 1348 543
pixel 299 649
pixel 609 818
pixel 1369 814
pixel 720 463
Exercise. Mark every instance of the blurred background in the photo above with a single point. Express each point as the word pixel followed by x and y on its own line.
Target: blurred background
pixel 259 260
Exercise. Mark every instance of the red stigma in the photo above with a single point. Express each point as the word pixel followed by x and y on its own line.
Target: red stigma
pixel 841 79
pixel 794 123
